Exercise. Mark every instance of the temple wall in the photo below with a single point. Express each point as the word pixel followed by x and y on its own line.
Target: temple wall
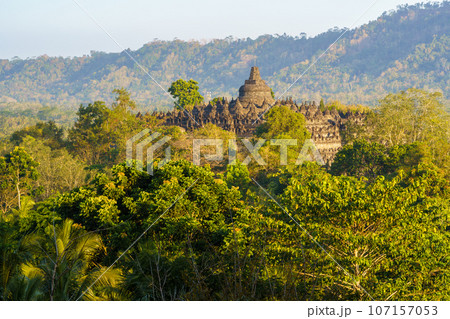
pixel 325 127
pixel 243 115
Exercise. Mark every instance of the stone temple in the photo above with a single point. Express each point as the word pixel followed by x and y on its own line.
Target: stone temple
pixel 242 115
pixel 255 90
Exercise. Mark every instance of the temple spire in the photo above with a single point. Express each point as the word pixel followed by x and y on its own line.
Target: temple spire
pixel 254 74
pixel 255 90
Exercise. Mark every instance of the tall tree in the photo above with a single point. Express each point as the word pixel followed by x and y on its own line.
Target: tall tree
pixel 359 159
pixel 66 263
pixel 87 138
pixel 391 236
pixel 49 132
pixel 281 123
pixel 186 93
pixel 100 133
pixel 413 116
pixel 18 171
pixel 123 100
pixel 58 171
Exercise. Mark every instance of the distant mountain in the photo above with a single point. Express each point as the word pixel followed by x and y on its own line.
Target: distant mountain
pixel 408 47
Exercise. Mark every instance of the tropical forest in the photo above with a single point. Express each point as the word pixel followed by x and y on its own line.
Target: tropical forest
pixel 81 221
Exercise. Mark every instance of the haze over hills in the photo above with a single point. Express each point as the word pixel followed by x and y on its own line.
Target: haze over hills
pixel 405 48
pixel 234 200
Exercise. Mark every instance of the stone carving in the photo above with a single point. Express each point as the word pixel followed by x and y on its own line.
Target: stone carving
pixel 255 90
pixel 242 115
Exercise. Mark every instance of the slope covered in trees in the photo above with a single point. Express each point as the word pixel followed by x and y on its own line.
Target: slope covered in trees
pixel 401 49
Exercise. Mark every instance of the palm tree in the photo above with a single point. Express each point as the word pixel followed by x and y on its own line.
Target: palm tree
pixel 23 288
pixel 14 251
pixel 67 265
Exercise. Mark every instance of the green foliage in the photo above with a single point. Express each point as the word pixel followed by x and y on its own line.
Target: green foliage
pixel 65 264
pixel 47 131
pixel 100 133
pixel 217 100
pixel 322 105
pixel 186 93
pixel 58 171
pixel 88 138
pixel 390 235
pixel 343 108
pixel 123 100
pixel 367 63
pixel 383 233
pixel 38 118
pixel 381 213
pixel 238 176
pixel 18 171
pixel 282 122
pixel 371 159
pixel 154 274
pixel 131 199
pixel 272 93
pixel 15 249
pixel 360 159
pixel 410 116
pixel 413 116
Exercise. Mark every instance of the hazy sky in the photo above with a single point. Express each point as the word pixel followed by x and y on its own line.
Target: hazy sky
pixel 60 28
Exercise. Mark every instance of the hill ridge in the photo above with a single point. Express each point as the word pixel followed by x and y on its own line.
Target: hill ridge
pixel 404 48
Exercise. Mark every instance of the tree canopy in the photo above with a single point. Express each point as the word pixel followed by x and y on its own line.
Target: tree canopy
pixel 186 93
pixel 78 222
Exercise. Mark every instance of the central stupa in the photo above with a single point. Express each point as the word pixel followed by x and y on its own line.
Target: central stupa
pixel 242 115
pixel 255 90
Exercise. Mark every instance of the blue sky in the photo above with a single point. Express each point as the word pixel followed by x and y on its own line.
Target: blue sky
pixel 31 28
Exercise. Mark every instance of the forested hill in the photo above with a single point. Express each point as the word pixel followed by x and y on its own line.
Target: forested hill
pixel 405 48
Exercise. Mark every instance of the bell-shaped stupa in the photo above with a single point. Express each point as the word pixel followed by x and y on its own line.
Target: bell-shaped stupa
pixel 255 90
